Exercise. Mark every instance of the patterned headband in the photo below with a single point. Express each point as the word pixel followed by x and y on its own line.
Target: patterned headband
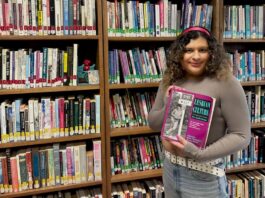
pixel 200 29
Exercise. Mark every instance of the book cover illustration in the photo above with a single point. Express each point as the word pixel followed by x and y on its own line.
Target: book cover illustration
pixel 188 114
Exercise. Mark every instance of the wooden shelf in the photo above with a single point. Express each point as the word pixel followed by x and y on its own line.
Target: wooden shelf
pixel 258 125
pixel 142 39
pixel 133 86
pixel 136 176
pixel 48 37
pixel 49 141
pixel 253 83
pixel 244 40
pixel 51 189
pixel 48 89
pixel 247 167
pixel 131 131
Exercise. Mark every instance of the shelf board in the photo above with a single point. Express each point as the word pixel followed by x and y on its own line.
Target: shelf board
pixel 131 131
pixel 51 189
pixel 48 89
pixel 136 175
pixel 244 40
pixel 48 37
pixel 246 167
pixel 49 141
pixel 258 125
pixel 143 39
pixel 253 83
pixel 133 86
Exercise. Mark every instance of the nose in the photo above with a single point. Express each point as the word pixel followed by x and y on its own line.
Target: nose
pixel 196 54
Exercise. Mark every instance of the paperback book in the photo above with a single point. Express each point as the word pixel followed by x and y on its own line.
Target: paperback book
pixel 188 114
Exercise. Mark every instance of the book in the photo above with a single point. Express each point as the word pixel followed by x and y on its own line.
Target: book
pixel 188 114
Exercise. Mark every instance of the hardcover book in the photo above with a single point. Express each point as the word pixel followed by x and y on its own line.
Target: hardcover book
pixel 188 114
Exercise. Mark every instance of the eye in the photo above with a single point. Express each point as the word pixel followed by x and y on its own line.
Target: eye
pixel 204 50
pixel 188 50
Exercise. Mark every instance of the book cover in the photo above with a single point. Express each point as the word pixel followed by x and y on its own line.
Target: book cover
pixel 188 114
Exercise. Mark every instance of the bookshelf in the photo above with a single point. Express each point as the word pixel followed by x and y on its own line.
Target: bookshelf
pixel 125 43
pixel 89 47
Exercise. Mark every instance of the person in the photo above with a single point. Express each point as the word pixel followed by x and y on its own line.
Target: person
pixel 197 62
pixel 174 121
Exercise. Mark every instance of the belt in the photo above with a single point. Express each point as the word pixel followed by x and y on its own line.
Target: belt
pixel 207 167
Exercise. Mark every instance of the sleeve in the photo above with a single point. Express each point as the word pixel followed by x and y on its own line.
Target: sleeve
pixel 156 115
pixel 236 115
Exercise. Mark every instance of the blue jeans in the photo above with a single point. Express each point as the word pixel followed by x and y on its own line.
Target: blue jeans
pixel 182 182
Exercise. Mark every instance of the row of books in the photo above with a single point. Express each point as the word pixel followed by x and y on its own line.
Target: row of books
pixel 136 154
pixel 136 66
pixel 130 109
pixel 160 19
pixel 33 168
pixel 252 154
pixel 247 184
pixel 256 104
pixel 139 189
pixel 46 118
pixel 47 17
pixel 244 21
pixel 28 68
pixel 79 193
pixel 248 65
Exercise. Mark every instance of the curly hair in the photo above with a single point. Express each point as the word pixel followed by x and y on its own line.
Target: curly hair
pixel 218 65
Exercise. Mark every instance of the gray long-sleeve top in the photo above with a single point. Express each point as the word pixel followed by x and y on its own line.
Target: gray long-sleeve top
pixel 230 127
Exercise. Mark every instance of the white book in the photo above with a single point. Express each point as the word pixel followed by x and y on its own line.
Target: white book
pixel 31 119
pixel 83 163
pixel 165 17
pixel 36 132
pixel 75 64
pixel 25 14
pixel 157 20
pixel 44 17
pixel 4 136
pixel 57 17
pixel 77 162
pixel 88 16
pixel 33 18
pixel 83 19
pixel 98 113
pixel 93 11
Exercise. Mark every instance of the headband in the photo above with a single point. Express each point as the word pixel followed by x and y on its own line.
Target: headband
pixel 200 29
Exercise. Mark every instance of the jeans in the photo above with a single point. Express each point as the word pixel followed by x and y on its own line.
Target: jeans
pixel 182 182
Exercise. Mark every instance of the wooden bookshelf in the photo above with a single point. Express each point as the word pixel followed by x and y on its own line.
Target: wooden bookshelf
pixel 145 130
pixel 52 189
pixel 247 167
pixel 111 42
pixel 136 176
pixel 4 92
pixel 49 38
pixel 89 47
pixel 50 141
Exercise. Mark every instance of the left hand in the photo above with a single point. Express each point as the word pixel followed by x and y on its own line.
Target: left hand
pixel 175 147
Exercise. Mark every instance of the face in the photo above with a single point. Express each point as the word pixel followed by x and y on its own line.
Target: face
pixel 195 57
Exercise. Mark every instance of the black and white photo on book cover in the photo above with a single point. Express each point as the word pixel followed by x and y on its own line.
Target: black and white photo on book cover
pixel 180 108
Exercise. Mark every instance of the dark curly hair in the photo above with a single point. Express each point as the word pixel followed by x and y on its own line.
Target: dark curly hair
pixel 218 65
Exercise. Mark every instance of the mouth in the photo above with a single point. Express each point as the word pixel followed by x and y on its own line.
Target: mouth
pixel 195 64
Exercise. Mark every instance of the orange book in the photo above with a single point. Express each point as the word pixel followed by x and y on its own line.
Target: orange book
pixel 14 174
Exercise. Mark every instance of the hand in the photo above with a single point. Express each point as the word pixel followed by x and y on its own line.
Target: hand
pixel 168 93
pixel 175 147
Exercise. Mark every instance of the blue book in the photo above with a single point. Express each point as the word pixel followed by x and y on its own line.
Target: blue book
pixel 43 168
pixel 36 167
pixel 65 17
